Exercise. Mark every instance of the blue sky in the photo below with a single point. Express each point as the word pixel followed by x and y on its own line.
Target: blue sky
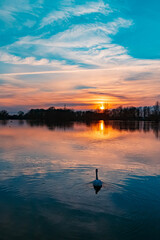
pixel 79 53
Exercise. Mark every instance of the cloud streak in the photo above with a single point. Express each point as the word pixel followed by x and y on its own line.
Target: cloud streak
pixel 109 94
pixel 71 45
pixel 77 10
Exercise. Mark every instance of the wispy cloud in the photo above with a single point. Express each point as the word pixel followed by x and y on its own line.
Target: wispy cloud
pixel 108 94
pixel 139 76
pixel 57 65
pixel 71 44
pixel 9 11
pixel 77 10
pixel 80 87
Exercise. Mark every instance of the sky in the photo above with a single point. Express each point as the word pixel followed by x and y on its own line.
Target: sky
pixel 79 53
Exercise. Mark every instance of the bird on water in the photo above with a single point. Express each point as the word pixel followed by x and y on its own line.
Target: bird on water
pixel 97 184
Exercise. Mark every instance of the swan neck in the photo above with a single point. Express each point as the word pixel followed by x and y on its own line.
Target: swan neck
pixel 96 174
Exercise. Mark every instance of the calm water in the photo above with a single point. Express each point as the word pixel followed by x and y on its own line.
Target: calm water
pixel 46 175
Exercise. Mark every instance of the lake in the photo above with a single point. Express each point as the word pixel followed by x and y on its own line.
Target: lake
pixel 46 175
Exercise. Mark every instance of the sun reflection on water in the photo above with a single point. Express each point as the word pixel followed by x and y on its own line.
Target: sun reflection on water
pixel 102 143
pixel 101 125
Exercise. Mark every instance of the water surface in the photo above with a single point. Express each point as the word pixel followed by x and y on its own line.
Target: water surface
pixel 46 174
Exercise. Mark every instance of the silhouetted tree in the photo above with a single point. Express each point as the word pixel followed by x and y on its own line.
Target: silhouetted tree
pixel 20 115
pixel 4 114
pixel 63 114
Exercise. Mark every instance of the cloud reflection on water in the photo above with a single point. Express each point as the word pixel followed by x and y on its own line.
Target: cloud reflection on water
pixel 47 173
pixel 106 145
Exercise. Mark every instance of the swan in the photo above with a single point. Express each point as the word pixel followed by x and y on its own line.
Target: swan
pixel 97 184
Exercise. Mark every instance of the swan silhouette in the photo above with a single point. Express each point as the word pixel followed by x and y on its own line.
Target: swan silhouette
pixel 97 184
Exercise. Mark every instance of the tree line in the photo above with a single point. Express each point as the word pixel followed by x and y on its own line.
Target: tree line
pixel 150 113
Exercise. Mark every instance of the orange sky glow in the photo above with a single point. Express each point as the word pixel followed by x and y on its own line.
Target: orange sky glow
pixel 92 89
pixel 102 58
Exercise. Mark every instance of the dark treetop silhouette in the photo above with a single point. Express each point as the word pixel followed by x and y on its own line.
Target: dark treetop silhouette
pixel 120 113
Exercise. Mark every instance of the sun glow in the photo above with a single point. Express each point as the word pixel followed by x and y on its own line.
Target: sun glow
pixel 102 106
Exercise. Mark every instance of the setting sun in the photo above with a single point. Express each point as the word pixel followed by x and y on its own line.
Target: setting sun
pixel 102 106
